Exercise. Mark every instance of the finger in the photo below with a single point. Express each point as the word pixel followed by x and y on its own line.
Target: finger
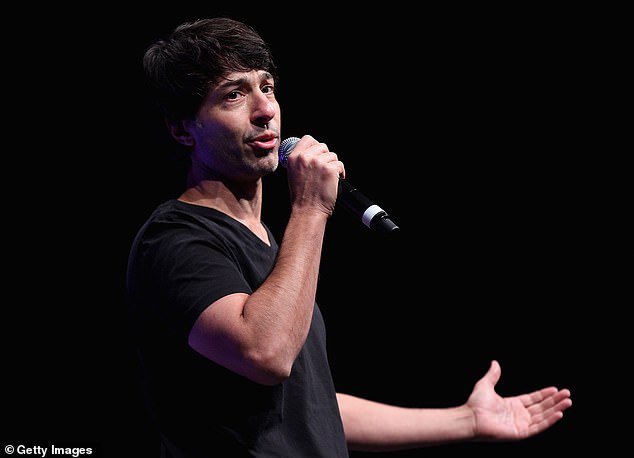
pixel 291 144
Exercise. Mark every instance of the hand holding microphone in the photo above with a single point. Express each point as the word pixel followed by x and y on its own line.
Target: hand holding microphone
pixel 370 214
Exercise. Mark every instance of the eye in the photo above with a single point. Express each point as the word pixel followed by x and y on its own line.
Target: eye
pixel 233 95
pixel 268 89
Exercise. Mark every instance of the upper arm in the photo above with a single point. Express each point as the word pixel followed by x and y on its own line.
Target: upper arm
pixel 221 334
pixel 217 333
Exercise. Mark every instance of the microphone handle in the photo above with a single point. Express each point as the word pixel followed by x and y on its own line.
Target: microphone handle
pixel 370 214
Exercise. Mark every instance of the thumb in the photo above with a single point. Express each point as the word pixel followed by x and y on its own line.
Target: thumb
pixel 493 374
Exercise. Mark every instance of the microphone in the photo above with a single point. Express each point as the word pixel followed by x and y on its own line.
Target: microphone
pixel 370 214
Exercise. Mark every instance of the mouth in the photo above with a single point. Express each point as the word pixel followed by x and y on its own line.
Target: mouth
pixel 264 142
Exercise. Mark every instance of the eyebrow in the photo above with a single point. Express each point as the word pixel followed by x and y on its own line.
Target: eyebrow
pixel 241 81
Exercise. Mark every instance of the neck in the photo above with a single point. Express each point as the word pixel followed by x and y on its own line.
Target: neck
pixel 242 202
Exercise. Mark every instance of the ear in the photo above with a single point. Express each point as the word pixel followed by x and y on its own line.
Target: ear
pixel 180 132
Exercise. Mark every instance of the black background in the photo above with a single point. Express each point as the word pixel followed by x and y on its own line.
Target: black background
pixel 467 124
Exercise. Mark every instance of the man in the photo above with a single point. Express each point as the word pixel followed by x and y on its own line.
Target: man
pixel 231 344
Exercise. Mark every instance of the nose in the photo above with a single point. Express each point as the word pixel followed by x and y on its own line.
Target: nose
pixel 264 108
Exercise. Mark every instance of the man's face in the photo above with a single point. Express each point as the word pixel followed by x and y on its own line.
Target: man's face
pixel 237 128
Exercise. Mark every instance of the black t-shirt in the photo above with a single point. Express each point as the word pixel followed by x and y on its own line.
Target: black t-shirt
pixel 183 259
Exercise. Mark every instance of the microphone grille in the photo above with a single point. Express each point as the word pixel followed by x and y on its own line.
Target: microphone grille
pixel 285 149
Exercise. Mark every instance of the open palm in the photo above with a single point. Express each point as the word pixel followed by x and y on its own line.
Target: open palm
pixel 514 417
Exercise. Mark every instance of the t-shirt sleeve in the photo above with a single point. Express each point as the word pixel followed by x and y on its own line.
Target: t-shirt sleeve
pixel 184 269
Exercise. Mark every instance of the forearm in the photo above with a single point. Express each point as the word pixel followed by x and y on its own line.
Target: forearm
pixel 281 309
pixel 373 426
